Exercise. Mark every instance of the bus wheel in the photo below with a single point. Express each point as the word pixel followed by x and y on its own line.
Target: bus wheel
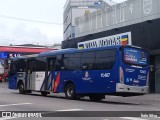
pixel 95 98
pixel 28 91
pixel 21 88
pixel 70 91
pixel 44 93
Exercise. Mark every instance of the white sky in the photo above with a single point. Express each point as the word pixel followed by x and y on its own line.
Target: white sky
pixel 15 31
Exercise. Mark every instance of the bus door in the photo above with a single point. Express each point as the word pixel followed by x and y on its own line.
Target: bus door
pixel 56 74
pixel 28 80
pixel 49 75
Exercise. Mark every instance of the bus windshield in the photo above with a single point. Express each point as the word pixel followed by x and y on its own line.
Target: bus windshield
pixel 135 56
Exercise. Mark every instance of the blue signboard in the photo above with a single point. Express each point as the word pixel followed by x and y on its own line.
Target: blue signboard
pixel 135 56
pixel 3 55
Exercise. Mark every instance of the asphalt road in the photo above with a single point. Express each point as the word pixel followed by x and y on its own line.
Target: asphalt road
pixel 11 100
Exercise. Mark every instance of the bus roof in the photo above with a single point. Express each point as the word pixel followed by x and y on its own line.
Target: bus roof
pixel 24 57
pixel 17 58
pixel 30 56
pixel 72 50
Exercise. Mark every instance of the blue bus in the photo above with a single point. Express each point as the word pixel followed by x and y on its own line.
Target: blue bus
pixel 95 72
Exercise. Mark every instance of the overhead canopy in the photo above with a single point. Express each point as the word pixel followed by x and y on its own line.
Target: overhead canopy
pixel 24 49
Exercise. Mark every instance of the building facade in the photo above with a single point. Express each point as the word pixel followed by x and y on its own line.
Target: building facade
pixel 76 8
pixel 140 18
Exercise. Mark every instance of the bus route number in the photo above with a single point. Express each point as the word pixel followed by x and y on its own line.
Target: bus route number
pixel 105 75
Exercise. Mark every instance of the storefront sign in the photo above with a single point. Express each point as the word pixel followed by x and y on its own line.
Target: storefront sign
pixel 119 39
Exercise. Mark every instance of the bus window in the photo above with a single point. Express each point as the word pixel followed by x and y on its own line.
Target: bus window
pixel 135 56
pixel 87 61
pixel 74 61
pixel 30 66
pixel 65 61
pixel 13 67
pixel 22 66
pixel 105 59
pixel 51 64
pixel 58 62
pixel 39 64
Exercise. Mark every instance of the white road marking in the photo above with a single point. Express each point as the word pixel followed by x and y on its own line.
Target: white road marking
pixel 132 118
pixel 155 109
pixel 70 110
pixel 15 104
pixel 7 118
pixel 7 105
pixel 113 96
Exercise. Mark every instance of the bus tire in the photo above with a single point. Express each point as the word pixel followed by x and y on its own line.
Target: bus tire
pixel 21 88
pixel 95 98
pixel 28 91
pixel 70 91
pixel 44 93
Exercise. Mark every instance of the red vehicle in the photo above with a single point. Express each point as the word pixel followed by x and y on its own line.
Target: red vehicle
pixel 0 79
pixel 4 75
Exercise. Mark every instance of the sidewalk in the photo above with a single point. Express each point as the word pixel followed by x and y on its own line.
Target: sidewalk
pixel 4 85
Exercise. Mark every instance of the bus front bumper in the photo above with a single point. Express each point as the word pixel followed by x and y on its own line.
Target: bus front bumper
pixel 131 89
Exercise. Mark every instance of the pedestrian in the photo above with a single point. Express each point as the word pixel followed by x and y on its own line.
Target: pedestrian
pixel 5 76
